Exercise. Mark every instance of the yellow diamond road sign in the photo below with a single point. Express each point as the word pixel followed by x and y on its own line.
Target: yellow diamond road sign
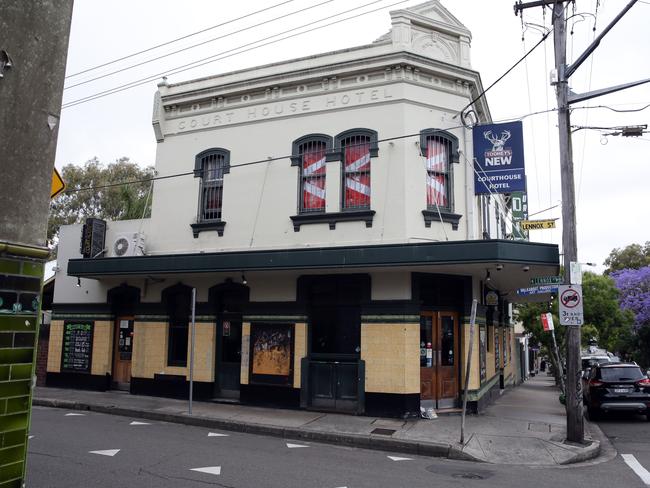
pixel 537 224
pixel 57 184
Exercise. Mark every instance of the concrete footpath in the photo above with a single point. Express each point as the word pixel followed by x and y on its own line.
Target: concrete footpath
pixel 525 426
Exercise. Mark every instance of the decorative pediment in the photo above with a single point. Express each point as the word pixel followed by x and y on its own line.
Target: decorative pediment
pixel 431 30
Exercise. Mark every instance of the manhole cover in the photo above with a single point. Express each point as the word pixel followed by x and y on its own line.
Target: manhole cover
pixel 468 476
pixel 383 431
pixel 452 472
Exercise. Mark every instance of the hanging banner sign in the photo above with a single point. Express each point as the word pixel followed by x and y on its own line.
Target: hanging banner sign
pixel 537 224
pixel 499 158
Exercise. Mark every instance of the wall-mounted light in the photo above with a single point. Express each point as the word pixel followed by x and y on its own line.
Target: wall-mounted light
pixel 243 279
pixel 525 269
pixel 78 282
pixel 488 278
pixel 499 267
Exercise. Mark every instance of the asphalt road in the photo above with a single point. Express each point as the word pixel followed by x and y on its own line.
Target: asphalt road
pixel 630 435
pixel 165 455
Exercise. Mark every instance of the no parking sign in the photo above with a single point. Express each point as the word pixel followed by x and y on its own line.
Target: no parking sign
pixel 571 312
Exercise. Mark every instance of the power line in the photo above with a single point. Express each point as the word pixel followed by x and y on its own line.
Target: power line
pixel 142 63
pixel 544 37
pixel 220 56
pixel 177 39
pixel 278 158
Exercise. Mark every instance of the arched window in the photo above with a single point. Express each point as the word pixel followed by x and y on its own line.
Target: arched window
pixel 310 153
pixel 357 146
pixel 211 166
pixel 440 150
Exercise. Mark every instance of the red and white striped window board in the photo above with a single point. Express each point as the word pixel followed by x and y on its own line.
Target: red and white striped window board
pixel 356 160
pixel 313 176
pixel 437 172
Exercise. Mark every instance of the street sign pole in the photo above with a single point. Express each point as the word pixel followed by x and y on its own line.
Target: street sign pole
pixel 467 369
pixel 193 340
pixel 33 50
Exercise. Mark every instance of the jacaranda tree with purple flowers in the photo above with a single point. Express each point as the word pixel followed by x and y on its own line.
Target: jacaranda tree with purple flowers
pixel 634 287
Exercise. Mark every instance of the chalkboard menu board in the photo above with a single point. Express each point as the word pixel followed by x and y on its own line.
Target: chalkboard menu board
pixel 77 347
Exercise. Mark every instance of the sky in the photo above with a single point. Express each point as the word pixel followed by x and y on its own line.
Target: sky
pixel 611 172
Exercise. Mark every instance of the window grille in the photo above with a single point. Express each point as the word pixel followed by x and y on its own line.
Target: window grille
pixel 312 156
pixel 356 150
pixel 214 165
pixel 438 150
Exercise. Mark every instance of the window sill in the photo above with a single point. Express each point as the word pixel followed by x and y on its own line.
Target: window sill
pixel 448 217
pixel 332 218
pixel 205 226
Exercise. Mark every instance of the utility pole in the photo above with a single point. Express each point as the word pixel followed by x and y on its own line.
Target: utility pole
pixel 573 392
pixel 33 50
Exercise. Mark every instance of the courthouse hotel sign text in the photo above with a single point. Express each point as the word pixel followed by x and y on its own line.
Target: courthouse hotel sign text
pixel 252 112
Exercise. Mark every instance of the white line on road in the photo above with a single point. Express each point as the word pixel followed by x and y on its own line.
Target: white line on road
pixel 640 471
pixel 135 422
pixel 209 469
pixel 293 446
pixel 216 434
pixel 396 458
pixel 30 437
pixel 75 415
pixel 106 452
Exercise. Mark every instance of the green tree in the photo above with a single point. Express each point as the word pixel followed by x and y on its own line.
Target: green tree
pixel 119 202
pixel 634 256
pixel 602 311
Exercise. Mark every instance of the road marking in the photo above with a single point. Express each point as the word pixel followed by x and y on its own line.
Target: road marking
pixel 216 434
pixel 395 458
pixel 216 470
pixel 75 415
pixel 106 452
pixel 293 446
pixel 135 422
pixel 640 471
pixel 30 437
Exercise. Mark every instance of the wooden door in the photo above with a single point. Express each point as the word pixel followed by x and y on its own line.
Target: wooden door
pixel 427 358
pixel 122 350
pixel 438 359
pixel 447 359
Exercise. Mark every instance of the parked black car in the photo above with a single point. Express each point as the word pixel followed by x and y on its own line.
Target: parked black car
pixel 617 387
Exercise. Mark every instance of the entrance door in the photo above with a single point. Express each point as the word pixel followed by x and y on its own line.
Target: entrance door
pixel 122 353
pixel 229 356
pixel 438 359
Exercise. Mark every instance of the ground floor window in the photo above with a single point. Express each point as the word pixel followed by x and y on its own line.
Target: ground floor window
pixel 177 300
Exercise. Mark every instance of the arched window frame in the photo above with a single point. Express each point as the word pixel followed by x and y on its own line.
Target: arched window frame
pixel 210 198
pixel 312 173
pixel 439 174
pixel 356 180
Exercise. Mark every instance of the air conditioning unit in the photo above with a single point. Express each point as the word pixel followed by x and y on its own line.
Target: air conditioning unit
pixel 131 244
